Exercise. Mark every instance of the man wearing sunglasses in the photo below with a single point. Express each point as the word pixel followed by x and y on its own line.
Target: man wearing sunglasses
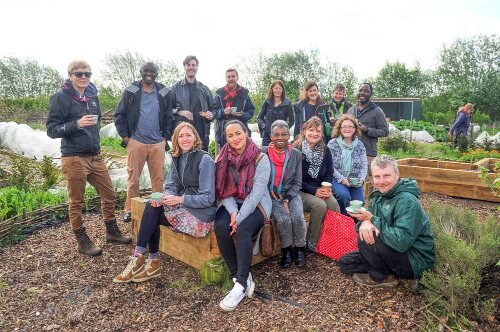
pixel 144 120
pixel 195 103
pixel 74 117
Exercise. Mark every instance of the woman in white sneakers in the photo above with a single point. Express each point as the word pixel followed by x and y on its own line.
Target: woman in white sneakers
pixel 242 173
pixel 188 204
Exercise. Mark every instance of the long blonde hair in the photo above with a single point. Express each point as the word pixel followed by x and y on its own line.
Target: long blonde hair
pixel 176 149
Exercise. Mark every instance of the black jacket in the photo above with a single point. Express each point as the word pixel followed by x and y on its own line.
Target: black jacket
pixel 310 184
pixel 128 110
pixel 322 111
pixel 268 114
pixel 66 107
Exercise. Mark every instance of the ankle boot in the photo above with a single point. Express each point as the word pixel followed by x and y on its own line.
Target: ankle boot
pixel 85 246
pixel 300 256
pixel 286 257
pixel 113 233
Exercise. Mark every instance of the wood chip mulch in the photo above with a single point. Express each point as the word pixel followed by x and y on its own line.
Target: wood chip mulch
pixel 45 285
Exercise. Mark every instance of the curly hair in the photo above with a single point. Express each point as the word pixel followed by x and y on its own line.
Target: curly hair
pixel 338 124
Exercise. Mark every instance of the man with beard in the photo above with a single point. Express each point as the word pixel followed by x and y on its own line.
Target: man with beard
pixel 227 98
pixel 73 116
pixel 195 103
pixel 144 120
pixel 371 119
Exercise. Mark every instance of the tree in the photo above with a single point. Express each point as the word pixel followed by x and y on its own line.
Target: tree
pixel 469 69
pixel 121 69
pixel 27 78
pixel 395 80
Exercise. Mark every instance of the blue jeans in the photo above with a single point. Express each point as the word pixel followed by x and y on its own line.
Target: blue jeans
pixel 346 194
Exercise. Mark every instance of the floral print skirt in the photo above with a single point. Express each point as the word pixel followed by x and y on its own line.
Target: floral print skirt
pixel 182 221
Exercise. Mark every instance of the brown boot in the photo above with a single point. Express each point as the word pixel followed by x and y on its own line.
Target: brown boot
pixel 113 233
pixel 364 279
pixel 85 246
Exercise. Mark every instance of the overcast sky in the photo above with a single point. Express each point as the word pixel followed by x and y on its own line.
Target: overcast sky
pixel 362 34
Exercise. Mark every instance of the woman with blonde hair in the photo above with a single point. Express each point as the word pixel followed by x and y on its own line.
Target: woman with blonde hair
pixel 317 167
pixel 187 206
pixel 350 163
pixel 462 121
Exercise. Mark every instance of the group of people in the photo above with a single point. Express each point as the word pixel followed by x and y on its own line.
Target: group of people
pixel 246 184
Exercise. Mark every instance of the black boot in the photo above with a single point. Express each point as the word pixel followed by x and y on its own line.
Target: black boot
pixel 85 246
pixel 113 233
pixel 286 257
pixel 300 256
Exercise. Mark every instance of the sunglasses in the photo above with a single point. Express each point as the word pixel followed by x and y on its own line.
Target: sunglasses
pixel 80 74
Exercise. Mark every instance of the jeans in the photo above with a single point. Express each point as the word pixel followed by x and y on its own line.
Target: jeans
pixel 149 231
pixel 138 154
pixel 77 171
pixel 346 194
pixel 237 257
pixel 291 222
pixel 378 260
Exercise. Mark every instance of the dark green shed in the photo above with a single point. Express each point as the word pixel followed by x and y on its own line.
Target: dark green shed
pixel 400 108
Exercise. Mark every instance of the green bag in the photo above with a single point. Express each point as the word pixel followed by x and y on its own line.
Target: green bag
pixel 213 271
pixel 328 126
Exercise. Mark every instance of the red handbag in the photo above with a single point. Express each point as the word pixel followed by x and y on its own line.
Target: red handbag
pixel 338 236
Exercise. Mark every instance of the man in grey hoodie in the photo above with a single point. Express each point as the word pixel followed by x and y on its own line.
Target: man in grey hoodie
pixel 371 119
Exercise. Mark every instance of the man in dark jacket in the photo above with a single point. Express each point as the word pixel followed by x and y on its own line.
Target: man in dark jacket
pixel 395 237
pixel 371 118
pixel 144 120
pixel 226 98
pixel 194 101
pixel 73 116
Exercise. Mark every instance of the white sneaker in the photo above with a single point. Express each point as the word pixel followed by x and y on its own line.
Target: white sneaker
pixel 233 298
pixel 250 286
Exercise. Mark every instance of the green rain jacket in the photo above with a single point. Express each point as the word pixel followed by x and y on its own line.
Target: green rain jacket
pixel 403 224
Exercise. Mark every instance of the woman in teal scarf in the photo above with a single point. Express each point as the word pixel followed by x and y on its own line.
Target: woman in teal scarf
pixel 350 164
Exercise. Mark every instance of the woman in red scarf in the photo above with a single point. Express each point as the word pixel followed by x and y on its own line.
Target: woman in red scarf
pixel 284 185
pixel 242 173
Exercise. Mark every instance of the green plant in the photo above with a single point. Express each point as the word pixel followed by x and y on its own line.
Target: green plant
pixel 493 183
pixel 112 145
pixel 395 142
pixel 463 248
pixel 21 174
pixel 50 173
pixel 211 149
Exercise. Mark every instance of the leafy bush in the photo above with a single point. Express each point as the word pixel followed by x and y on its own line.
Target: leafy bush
pixel 394 143
pixel 14 201
pixel 473 155
pixel 463 248
pixel 22 109
pixel 493 184
pixel 27 174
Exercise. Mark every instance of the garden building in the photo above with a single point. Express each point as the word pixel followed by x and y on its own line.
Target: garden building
pixel 400 108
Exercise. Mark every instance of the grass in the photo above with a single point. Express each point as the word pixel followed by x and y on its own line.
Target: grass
pixel 111 145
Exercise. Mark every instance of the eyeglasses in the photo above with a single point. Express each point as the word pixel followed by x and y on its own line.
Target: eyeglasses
pixel 347 127
pixel 80 74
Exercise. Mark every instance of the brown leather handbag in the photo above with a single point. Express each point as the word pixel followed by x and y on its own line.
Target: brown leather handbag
pixel 270 243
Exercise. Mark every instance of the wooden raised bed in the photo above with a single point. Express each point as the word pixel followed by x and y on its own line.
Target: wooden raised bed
pixel 448 177
pixel 187 249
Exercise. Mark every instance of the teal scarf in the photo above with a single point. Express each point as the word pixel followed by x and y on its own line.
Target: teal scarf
pixel 346 157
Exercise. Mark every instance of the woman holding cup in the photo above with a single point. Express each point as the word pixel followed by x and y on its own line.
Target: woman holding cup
pixel 187 205
pixel 350 164
pixel 317 176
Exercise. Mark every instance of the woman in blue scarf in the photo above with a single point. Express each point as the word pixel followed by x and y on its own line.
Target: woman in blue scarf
pixel 350 163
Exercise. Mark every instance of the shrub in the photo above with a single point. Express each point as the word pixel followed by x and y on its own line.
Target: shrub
pixel 493 184
pixel 463 248
pixel 394 143
pixel 27 174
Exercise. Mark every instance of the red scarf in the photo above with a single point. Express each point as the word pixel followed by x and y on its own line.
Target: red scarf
pixel 230 95
pixel 278 160
pixel 244 166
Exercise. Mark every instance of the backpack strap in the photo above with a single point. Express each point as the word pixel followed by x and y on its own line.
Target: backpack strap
pixel 259 157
